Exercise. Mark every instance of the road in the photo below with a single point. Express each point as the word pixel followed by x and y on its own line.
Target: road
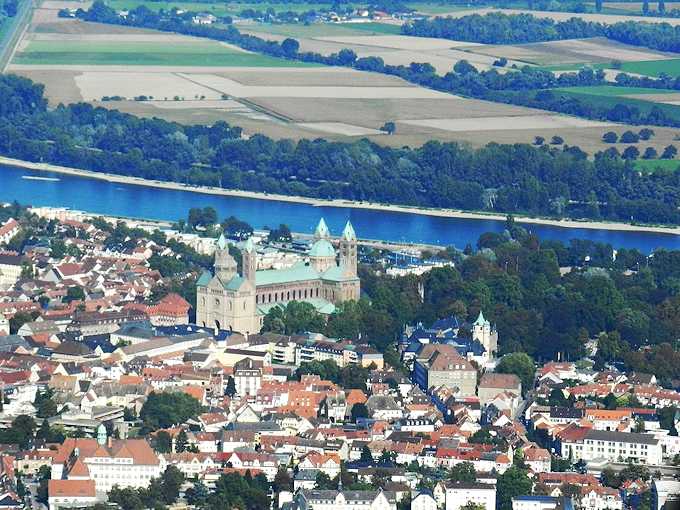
pixel 19 25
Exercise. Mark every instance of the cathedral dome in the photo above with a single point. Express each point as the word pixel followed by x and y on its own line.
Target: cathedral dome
pixel 322 248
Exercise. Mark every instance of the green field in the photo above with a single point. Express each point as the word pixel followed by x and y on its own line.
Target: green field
pixel 647 67
pixel 609 101
pixel 613 91
pixel 144 53
pixel 652 165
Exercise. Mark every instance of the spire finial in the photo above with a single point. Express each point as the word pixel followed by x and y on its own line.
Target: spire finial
pixel 321 231
pixel 348 232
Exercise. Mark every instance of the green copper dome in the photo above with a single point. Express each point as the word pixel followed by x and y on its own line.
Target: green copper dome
pixel 322 248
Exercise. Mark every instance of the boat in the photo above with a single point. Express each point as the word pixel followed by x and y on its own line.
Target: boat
pixel 36 178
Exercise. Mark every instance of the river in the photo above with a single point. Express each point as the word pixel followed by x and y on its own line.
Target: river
pixel 114 199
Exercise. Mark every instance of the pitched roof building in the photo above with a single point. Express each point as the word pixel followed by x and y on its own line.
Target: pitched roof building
pixel 239 301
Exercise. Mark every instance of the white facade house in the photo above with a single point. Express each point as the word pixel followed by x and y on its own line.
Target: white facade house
pixel 541 503
pixel 344 500
pixel 126 463
pixel 459 494
pixel 423 500
pixel 614 447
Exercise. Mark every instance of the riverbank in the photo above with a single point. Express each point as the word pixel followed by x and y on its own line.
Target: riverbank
pixel 443 213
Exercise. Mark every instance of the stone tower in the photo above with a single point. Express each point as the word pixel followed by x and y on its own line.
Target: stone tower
pixel 249 261
pixel 225 265
pixel 348 251
pixel 485 335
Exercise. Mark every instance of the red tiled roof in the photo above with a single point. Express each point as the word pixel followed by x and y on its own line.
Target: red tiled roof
pixel 71 488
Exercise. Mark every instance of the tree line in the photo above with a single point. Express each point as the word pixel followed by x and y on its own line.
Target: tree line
pixel 501 28
pixel 549 181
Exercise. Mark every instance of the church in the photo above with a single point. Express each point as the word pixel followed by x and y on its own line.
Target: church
pixel 237 301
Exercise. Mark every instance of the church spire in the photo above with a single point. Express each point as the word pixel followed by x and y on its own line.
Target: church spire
pixel 348 232
pixel 321 231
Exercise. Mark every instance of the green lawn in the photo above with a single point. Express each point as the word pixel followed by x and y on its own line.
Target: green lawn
pixel 613 91
pixel 146 53
pixel 651 165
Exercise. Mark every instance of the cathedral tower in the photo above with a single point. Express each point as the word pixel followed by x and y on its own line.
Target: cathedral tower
pixel 249 261
pixel 225 265
pixel 348 251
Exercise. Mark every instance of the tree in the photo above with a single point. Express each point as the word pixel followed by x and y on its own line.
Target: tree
pixel 389 128
pixel 163 442
pixel 290 47
pixel 645 7
pixel 280 235
pixel 669 152
pixel 629 137
pixel 45 405
pixel 539 140
pixel 631 153
pixel 514 482
pixel 293 318
pixel 282 481
pixel 645 133
pixel 236 229
pixel 162 410
pixel 610 402
pixel 366 455
pixel 464 67
pixel 556 140
pixel 359 410
pixel 197 495
pixel 324 482
pixel 74 294
pixel 18 320
pixel 463 472
pixel 230 390
pixel 650 153
pixel 171 482
pixel 181 441
pixel 662 7
pixel 598 5
pixel 520 364
pixel 610 137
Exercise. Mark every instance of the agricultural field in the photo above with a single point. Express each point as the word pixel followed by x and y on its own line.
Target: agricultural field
pixel 193 80
pixel 572 54
pixel 147 53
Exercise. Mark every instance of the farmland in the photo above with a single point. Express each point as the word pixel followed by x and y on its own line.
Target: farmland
pixel 197 53
pixel 193 80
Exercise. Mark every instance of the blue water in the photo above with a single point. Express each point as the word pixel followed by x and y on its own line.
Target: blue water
pixel 143 202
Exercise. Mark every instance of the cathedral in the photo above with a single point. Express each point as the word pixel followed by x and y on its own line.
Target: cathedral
pixel 237 301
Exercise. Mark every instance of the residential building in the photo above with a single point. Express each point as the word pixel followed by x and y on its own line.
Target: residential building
pixel 459 494
pixel 343 500
pixel 590 445
pixel 491 384
pixel 126 463
pixel 441 365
